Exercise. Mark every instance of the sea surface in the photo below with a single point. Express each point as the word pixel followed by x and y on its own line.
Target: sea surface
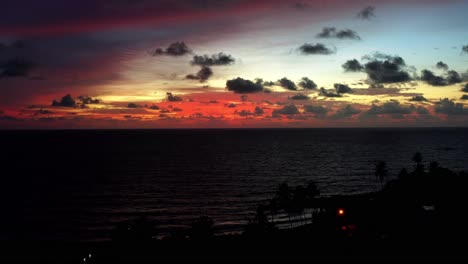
pixel 78 185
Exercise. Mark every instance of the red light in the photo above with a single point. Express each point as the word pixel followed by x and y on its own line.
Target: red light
pixel 341 212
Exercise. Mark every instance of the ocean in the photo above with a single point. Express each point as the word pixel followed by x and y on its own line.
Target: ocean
pixel 77 185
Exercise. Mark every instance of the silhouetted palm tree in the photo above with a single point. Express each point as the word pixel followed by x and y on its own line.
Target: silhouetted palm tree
pixel 284 197
pixel 312 191
pixel 419 170
pixel 299 200
pixel 202 228
pixel 381 171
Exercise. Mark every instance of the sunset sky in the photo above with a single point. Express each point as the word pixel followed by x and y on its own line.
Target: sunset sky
pixel 233 63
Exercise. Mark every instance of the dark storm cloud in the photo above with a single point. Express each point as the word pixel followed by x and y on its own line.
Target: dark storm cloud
pixel 290 109
pixel 449 107
pixel 240 85
pixel 315 49
pixel 16 68
pixel 332 32
pixel 442 66
pixel 345 112
pixel 174 49
pixel 213 60
pixel 352 66
pixel 367 13
pixel 287 84
pixel 300 96
pixel 202 75
pixel 342 88
pixel 418 98
pixel 392 107
pixel 66 101
pixel 430 78
pixel 307 84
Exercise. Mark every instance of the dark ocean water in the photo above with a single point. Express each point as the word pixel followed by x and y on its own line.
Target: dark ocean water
pixel 77 185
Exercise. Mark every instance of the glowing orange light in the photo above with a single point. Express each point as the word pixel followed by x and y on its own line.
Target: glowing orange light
pixel 341 212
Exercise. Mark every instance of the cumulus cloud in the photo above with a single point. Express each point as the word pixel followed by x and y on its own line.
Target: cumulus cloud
pixel 245 113
pixel 88 100
pixel 318 110
pixel 448 107
pixel 240 85
pixel 352 66
pixel 174 49
pixel 66 101
pixel 418 98
pixel 259 111
pixel 287 84
pixel 213 60
pixel 429 77
pixel 381 68
pixel 16 68
pixel 307 84
pixel 390 70
pixel 367 13
pixel 442 66
pixel 432 79
pixel 324 92
pixel 332 32
pixel 453 77
pixel 173 98
pixel 315 49
pixel 342 88
pixel 421 110
pixel 465 49
pixel 290 109
pixel 202 75
pixel 392 107
pixel 300 96
pixel 465 89
pixel 345 112
pixel 260 81
pixel 133 105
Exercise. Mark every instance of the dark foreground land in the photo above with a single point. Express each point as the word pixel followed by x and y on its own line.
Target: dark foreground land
pixel 421 216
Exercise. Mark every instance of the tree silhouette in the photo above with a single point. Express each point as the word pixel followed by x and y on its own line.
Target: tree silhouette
pixel 381 171
pixel 417 158
pixel 202 228
pixel 284 197
pixel 259 225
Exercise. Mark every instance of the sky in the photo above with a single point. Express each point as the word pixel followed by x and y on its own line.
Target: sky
pixel 94 64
